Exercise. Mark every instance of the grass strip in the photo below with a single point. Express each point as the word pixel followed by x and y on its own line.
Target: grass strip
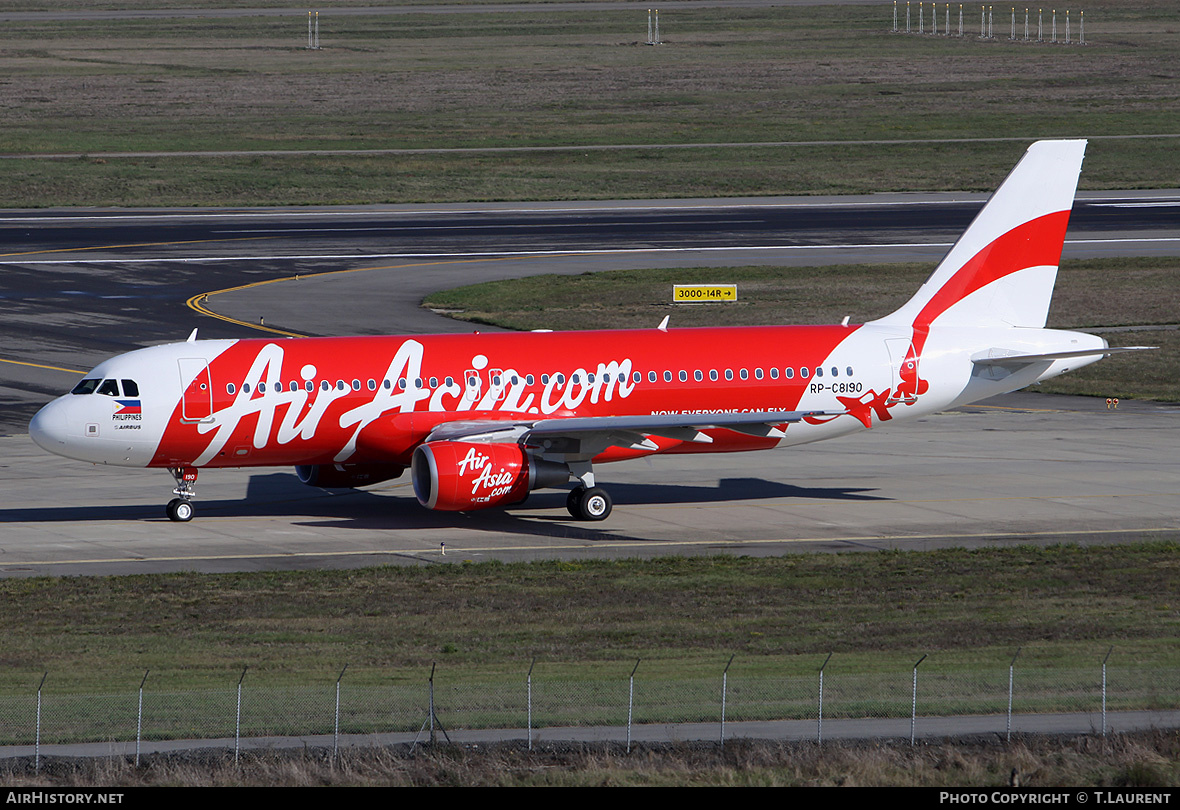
pixel 543 78
pixel 590 621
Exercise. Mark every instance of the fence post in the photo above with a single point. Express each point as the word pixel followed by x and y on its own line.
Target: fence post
pixel 819 731
pixel 631 702
pixel 914 701
pixel 1104 660
pixel 529 699
pixel 724 684
pixel 336 726
pixel 37 746
pixel 1011 666
pixel 431 718
pixel 139 718
pixel 238 719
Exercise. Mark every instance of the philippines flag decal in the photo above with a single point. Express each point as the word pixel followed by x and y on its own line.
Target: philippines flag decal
pixel 127 406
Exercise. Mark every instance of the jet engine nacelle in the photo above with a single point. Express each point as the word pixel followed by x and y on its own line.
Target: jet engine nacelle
pixel 463 476
pixel 346 476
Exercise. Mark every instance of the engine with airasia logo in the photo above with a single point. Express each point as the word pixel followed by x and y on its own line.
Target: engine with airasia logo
pixel 459 476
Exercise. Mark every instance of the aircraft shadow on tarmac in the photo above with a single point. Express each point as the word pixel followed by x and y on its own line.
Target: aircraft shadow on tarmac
pixel 281 495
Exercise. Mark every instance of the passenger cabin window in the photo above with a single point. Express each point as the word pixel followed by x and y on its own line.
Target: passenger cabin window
pixel 86 386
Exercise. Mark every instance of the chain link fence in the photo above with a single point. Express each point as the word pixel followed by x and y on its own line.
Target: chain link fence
pixel 45 717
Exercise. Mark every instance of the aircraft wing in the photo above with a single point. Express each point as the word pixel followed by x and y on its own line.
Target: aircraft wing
pixel 589 435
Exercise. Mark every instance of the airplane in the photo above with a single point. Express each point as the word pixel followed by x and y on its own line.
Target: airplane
pixel 481 420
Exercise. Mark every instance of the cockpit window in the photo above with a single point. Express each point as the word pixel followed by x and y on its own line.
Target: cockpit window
pixel 130 389
pixel 109 388
pixel 86 387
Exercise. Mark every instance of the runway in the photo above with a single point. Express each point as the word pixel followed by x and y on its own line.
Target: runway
pixel 80 286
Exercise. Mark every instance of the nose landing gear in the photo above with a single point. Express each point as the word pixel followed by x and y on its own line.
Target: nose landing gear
pixel 180 509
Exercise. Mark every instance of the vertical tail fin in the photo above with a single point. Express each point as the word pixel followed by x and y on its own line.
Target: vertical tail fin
pixel 1003 268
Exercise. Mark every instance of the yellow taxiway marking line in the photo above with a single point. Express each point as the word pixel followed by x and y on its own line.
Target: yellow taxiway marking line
pixel 38 365
pixel 458 553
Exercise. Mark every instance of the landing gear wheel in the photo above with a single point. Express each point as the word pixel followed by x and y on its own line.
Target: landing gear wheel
pixel 595 504
pixel 180 510
pixel 573 501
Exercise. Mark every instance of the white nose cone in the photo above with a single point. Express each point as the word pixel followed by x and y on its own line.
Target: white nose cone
pixel 48 428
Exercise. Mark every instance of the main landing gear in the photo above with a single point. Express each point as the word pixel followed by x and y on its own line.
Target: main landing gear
pixel 587 501
pixel 180 509
pixel 588 504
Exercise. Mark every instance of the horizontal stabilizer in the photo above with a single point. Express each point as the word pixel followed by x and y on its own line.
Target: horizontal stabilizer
pixel 1017 360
